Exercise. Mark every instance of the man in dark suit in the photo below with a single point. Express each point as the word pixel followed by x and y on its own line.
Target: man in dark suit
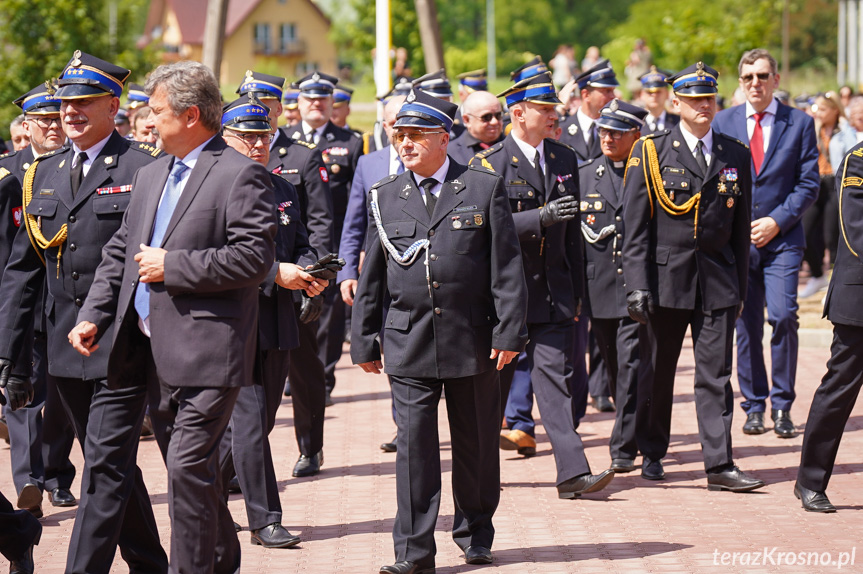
pixel 72 208
pixel 446 328
pixel 483 122
pixel 684 262
pixel 300 163
pixel 542 185
pixel 654 96
pixel 341 150
pixel 185 267
pixel 40 444
pixel 601 184
pixel 596 86
pixel 785 183
pixel 245 446
pixel 840 387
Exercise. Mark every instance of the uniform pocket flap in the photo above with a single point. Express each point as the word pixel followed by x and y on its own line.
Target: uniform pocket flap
pixel 42 207
pixel 398 319
pixel 111 204
pixel 661 255
pixel 213 308
pixel 853 276
pixel 401 228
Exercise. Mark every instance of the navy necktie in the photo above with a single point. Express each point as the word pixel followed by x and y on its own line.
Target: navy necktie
pixel 427 184
pixel 77 172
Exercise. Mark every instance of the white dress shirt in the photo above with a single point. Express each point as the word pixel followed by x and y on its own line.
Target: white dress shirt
pixel 766 122
pixel 692 141
pixel 439 176
pixel 530 152
pixel 92 153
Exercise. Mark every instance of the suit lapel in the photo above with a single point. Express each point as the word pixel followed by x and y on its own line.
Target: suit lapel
pixel 717 162
pixel 605 183
pixel 524 169
pixel 151 204
pixel 99 171
pixel 684 154
pixel 448 198
pixel 63 177
pixel 780 122
pixel 412 196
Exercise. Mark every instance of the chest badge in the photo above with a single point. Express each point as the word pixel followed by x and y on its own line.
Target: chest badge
pixel 477 218
pixel 730 202
pixel 600 170
pixel 572 129
pixel 591 219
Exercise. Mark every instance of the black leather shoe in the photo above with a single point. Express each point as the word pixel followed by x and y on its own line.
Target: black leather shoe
pixel 237 526
pixel 24 565
pixel 30 497
pixel 287 392
pixel 575 487
pixel 754 424
pixel 732 479
pixel 234 486
pixel 274 536
pixel 652 469
pixel 62 497
pixel 477 555
pixel 622 465
pixel 147 427
pixel 405 568
pixel 309 465
pixel 390 446
pixel 813 501
pixel 328 401
pixel 782 424
pixel 603 404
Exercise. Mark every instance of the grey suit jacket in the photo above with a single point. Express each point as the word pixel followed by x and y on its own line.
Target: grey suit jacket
pixel 220 244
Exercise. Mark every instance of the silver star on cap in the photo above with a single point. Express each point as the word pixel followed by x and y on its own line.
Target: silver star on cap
pixel 613 105
pixel 411 97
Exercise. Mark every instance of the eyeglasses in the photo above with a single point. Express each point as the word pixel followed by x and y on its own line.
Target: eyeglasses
pixel 251 139
pixel 613 134
pixel 416 137
pixel 486 118
pixel 44 122
pixel 762 77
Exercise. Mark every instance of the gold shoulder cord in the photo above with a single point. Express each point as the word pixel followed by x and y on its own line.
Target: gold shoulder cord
pixel 653 179
pixel 847 181
pixel 30 222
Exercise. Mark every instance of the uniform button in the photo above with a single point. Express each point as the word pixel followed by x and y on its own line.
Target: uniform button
pixel 78 302
pixel 433 257
pixel 437 310
pixel 620 253
pixel 71 219
pixel 72 247
pixel 40 209
pixel 619 271
pixel 435 284
pixel 618 218
pixel 75 275
pixel 116 207
pixel 756 206
pixel 533 236
pixel 620 236
pixel 431 232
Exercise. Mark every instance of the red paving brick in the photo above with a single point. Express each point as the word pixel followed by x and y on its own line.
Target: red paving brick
pixel 344 515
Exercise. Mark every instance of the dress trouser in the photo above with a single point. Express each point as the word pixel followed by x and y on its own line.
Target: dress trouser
pixel 18 530
pixel 308 391
pixel 245 448
pixel 114 509
pixel 598 377
pixel 473 409
pixel 519 404
pixel 831 406
pixel 331 332
pixel 660 342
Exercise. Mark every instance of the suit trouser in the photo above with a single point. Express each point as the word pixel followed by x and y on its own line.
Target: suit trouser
pixel 598 377
pixel 245 447
pixel 579 384
pixel 549 349
pixel 831 407
pixel 519 403
pixel 472 408
pixel 660 342
pixel 773 279
pixel 331 333
pixel 115 507
pixel 617 340
pixel 40 442
pixel 18 530
pixel 308 390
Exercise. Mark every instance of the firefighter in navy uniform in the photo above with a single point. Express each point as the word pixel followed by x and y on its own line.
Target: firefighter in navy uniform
pixel 601 183
pixel 74 201
pixel 541 180
pixel 300 163
pixel 654 95
pixel 686 208
pixel 596 86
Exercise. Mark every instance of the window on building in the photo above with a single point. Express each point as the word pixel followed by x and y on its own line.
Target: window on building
pixel 263 43
pixel 287 38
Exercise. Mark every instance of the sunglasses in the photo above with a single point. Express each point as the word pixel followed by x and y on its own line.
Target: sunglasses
pixel 762 77
pixel 613 134
pixel 251 139
pixel 486 118
pixel 416 137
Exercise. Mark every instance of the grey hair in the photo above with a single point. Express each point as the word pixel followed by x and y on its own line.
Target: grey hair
pixel 189 84
pixel 19 119
pixel 753 56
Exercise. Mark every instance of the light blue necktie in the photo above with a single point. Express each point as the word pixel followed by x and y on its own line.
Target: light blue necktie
pixel 173 190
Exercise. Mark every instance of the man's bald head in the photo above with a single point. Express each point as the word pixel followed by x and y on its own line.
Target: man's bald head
pixel 481 113
pixel 392 108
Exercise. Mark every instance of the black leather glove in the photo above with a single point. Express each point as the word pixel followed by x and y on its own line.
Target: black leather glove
pixel 639 303
pixel 19 392
pixel 310 308
pixel 558 210
pixel 327 267
pixel 6 367
pixel 739 311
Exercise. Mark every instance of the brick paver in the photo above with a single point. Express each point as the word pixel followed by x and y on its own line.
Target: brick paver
pixel 344 515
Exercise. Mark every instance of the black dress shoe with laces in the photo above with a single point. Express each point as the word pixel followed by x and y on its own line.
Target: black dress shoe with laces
pixel 308 465
pixel 813 501
pixel 477 555
pixel 652 469
pixel 390 446
pixel 732 479
pixel 405 568
pixel 603 404
pixel 782 424
pixel 620 465
pixel 234 486
pixel 274 536
pixel 754 424
pixel 575 487
pixel 62 497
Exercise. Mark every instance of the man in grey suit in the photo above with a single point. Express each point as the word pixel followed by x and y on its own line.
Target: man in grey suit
pixel 181 278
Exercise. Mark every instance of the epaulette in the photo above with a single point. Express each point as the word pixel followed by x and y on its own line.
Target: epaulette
pixel 147 149
pixel 4 172
pixel 305 143
pixel 357 135
pixel 482 168
pixel 654 135
pixel 50 153
pixel 385 180
pixel 560 143
pixel 8 154
pixel 586 163
pixel 487 152
pixel 733 139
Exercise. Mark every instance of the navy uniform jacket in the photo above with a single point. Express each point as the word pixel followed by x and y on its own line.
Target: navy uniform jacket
pixel 464 147
pixel 220 245
pixel 846 286
pixel 601 207
pixel 10 212
pixel 671 120
pixel 444 327
pixel 553 257
pixel 277 322
pixel 18 162
pixel 572 136
pixel 661 253
pixel 91 219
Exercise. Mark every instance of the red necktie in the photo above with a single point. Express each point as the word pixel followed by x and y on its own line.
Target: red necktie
pixel 756 143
